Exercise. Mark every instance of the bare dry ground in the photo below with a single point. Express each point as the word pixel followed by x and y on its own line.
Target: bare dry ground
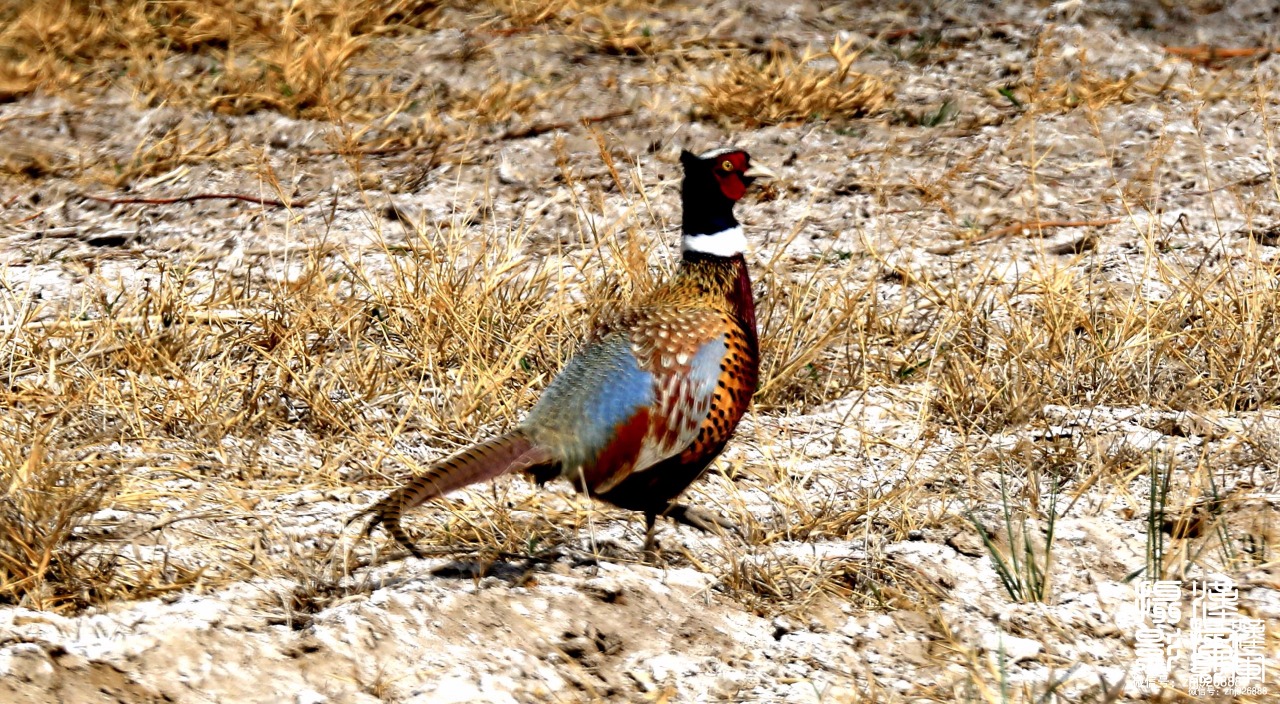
pixel 261 260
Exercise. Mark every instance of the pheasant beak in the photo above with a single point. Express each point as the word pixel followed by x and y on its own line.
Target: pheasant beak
pixel 756 171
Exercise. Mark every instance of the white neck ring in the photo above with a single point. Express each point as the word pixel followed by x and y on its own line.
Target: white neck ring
pixel 725 243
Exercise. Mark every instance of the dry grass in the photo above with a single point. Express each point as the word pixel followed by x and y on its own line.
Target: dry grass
pixel 622 36
pixel 312 59
pixel 360 356
pixel 57 471
pixel 1054 339
pixel 232 56
pixel 427 347
pixel 1057 84
pixel 44 501
pixel 772 585
pixel 315 59
pixel 431 340
pixel 786 89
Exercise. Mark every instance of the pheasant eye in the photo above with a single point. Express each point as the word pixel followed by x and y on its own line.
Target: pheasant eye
pixel 727 165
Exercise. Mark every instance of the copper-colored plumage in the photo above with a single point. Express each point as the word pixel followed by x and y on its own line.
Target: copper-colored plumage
pixel 642 411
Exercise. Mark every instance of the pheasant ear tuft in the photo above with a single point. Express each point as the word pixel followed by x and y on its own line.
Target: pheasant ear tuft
pixel 687 157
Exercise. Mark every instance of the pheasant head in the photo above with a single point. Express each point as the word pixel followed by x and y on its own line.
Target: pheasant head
pixel 713 182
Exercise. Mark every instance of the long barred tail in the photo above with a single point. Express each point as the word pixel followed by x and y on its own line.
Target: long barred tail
pixel 512 452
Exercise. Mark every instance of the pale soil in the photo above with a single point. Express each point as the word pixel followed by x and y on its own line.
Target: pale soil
pixel 885 191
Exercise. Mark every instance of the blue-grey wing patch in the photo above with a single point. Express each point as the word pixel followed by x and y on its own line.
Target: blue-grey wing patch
pixel 602 387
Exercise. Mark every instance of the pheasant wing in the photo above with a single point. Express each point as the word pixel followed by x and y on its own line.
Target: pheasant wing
pixel 685 351
pixel 634 398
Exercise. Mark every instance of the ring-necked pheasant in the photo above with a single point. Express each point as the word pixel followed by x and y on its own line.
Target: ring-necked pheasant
pixel 638 414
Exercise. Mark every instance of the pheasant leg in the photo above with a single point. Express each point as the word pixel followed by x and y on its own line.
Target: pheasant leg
pixel 650 551
pixel 702 519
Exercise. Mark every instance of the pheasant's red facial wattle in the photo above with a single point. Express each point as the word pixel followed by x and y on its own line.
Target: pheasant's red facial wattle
pixel 731 186
pixel 729 169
